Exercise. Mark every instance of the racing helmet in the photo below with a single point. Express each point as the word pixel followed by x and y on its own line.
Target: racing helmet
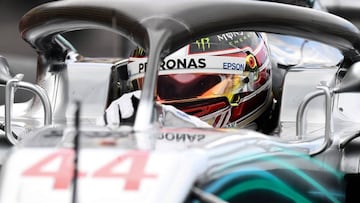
pixel 224 79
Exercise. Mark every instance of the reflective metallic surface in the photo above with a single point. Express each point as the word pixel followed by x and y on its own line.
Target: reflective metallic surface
pixel 138 163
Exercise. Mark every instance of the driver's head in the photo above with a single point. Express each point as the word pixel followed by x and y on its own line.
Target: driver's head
pixel 224 79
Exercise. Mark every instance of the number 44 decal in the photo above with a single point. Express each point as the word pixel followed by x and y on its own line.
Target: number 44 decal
pixel 64 173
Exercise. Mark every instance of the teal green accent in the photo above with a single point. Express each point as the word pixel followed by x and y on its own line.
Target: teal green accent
pixel 263 184
pixel 264 175
pixel 219 183
pixel 308 179
pixel 323 165
pixel 297 171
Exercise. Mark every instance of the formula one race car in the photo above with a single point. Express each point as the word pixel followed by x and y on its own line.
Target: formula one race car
pixel 62 153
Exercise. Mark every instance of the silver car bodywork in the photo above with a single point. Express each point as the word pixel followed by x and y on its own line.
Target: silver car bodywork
pixel 162 27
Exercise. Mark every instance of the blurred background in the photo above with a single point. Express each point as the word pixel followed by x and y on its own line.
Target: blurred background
pixel 22 58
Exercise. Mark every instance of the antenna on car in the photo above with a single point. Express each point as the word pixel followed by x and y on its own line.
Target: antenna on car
pixel 76 150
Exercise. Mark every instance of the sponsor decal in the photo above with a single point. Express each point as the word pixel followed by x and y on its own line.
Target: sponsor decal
pixel 181 137
pixel 179 63
pixel 236 39
pixel 139 52
pixel 190 64
pixel 203 43
pixel 234 66
pixel 229 36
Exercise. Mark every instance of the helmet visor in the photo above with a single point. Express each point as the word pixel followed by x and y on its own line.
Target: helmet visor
pixel 197 86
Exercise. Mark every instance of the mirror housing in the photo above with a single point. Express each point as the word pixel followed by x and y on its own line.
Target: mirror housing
pixel 5 74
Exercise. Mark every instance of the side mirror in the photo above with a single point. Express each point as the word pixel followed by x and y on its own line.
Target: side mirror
pixel 13 83
pixel 4 71
pixel 350 83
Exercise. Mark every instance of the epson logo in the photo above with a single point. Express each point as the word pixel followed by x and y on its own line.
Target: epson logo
pixel 233 66
pixel 171 64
